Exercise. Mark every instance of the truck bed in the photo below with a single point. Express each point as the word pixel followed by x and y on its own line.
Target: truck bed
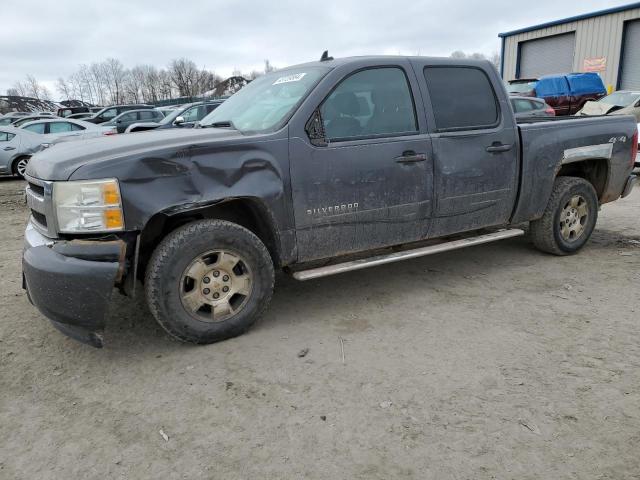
pixel 551 144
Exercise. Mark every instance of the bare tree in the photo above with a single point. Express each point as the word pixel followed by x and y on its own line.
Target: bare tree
pixel 64 88
pixel 185 76
pixel 109 82
pixel 12 92
pixel 21 89
pixel 30 87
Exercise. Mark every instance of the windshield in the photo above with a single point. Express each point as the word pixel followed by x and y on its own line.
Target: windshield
pixel 521 87
pixel 267 101
pixel 621 99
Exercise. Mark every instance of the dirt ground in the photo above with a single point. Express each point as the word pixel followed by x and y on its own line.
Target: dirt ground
pixel 492 362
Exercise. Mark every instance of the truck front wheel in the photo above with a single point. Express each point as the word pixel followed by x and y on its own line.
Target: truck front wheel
pixel 569 219
pixel 208 281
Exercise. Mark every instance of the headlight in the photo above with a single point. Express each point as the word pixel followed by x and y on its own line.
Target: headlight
pixel 88 206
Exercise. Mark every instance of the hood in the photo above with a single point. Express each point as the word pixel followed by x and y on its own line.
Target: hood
pixel 61 160
pixel 596 108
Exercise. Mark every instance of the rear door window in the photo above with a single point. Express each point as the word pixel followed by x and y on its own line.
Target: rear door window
pixel 59 127
pixel 148 115
pixel 520 105
pixel 128 117
pixel 6 137
pixel 370 103
pixel 462 98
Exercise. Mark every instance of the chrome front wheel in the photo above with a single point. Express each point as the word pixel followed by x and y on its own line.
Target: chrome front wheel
pixel 216 285
pixel 209 280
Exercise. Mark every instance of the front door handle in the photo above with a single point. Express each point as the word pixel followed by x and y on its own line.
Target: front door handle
pixel 409 156
pixel 497 147
pixel 6 149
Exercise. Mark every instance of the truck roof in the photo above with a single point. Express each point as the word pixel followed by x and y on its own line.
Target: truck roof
pixel 336 62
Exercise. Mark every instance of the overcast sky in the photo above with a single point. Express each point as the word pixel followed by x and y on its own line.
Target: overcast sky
pixel 50 38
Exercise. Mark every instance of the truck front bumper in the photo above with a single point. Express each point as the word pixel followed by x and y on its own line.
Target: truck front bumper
pixel 71 281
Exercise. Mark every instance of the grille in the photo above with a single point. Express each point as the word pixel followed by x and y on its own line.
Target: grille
pixel 39 194
pixel 40 218
pixel 39 189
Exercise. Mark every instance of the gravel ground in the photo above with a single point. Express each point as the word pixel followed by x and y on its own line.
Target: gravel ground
pixel 492 362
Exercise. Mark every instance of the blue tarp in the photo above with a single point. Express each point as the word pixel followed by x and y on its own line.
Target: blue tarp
pixel 570 84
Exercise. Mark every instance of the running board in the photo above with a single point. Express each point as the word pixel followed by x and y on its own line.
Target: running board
pixel 397 256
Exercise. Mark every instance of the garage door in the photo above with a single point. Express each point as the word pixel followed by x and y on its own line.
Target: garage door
pixel 630 79
pixel 546 56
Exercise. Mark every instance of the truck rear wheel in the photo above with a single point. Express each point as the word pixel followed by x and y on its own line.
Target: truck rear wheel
pixel 208 281
pixel 569 219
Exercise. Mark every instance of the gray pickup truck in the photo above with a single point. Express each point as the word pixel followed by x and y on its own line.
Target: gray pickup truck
pixel 316 169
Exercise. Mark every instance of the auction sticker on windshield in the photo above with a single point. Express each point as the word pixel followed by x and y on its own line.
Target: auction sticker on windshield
pixel 290 78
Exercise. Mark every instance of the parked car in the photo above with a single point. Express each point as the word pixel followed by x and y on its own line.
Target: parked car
pixel 313 169
pixel 125 119
pixel 9 118
pixel 67 111
pixel 566 93
pixel 80 116
pixel 622 102
pixel 109 113
pixel 185 117
pixel 16 148
pixel 76 129
pixel 530 107
pixel 523 87
pixel 30 118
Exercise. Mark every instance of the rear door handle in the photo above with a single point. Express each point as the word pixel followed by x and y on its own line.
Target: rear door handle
pixel 6 149
pixel 409 156
pixel 497 147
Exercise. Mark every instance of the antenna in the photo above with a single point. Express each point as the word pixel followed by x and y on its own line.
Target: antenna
pixel 325 56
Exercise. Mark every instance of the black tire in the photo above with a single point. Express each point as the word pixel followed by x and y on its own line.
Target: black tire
pixel 16 167
pixel 546 232
pixel 170 261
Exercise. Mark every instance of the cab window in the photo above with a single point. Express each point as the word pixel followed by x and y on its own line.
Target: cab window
pixel 462 98
pixel 370 103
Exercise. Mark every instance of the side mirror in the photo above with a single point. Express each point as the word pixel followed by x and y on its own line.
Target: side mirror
pixel 315 130
pixel 119 121
pixel 178 120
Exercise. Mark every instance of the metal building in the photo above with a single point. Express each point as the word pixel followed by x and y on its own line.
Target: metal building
pixel 607 42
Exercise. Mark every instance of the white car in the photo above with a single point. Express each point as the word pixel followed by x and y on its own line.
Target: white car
pixel 67 128
pixel 16 148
